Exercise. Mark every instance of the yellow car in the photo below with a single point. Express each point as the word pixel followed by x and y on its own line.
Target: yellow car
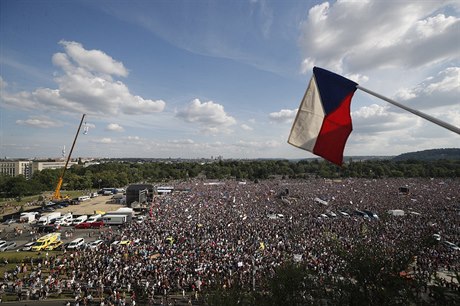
pixel 124 242
pixel 54 245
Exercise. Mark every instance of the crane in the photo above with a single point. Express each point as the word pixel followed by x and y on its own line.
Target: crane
pixel 57 191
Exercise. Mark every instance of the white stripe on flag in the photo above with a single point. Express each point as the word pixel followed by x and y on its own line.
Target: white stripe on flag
pixel 309 120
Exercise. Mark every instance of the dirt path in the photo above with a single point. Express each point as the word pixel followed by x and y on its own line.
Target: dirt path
pixel 89 207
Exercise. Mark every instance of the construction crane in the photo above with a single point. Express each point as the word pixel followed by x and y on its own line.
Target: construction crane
pixel 57 191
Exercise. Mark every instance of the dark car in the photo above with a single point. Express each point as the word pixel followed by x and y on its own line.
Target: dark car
pixel 62 247
pixel 48 228
pixel 64 203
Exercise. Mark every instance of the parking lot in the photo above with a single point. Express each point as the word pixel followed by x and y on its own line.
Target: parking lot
pixel 22 233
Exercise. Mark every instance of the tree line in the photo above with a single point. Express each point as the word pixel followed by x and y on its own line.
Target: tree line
pixel 120 173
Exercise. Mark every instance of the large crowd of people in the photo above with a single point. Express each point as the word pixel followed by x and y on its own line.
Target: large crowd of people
pixel 219 234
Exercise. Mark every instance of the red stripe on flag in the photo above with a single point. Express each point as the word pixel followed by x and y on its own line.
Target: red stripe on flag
pixel 334 133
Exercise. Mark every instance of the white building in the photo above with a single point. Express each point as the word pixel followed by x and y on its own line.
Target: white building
pixel 16 167
pixel 27 168
pixel 42 165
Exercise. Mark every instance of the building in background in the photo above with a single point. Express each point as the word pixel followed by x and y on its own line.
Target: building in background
pixel 16 167
pixel 42 165
pixel 28 167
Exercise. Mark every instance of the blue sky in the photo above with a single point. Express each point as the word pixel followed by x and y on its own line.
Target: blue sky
pixel 195 79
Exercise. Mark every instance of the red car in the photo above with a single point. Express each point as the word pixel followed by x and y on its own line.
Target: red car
pixel 83 225
pixel 95 224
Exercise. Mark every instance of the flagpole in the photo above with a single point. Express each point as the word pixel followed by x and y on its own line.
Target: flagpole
pixel 413 111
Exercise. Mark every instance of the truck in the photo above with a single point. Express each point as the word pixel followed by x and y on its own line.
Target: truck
pixel 27 217
pixel 123 211
pixel 48 218
pixel 114 219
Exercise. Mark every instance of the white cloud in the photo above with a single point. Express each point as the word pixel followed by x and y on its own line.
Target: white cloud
pixel 114 127
pixel 105 140
pixel 375 119
pixel 260 145
pixel 384 130
pixel 40 122
pixel 360 35
pixel 440 90
pixel 133 138
pixel 246 127
pixel 182 141
pixel 210 116
pixel 283 116
pixel 358 78
pixel 3 84
pixel 93 60
pixel 85 86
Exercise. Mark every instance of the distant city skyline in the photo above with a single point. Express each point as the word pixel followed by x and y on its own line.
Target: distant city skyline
pixel 191 80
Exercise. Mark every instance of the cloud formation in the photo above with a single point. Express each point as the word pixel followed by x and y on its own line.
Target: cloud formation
pixel 442 89
pixel 40 122
pixel 115 127
pixel 85 85
pixel 210 116
pixel 283 116
pixel 345 44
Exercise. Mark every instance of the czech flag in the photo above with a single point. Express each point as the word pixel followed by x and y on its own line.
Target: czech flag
pixel 323 121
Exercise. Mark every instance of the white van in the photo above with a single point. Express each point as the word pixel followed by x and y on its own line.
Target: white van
pixel 65 220
pixel 94 218
pixel 84 198
pixel 76 244
pixel 79 219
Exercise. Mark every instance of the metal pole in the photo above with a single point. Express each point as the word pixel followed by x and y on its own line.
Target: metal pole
pixel 413 111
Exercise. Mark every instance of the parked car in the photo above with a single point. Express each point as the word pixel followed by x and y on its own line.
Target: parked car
pixel 76 244
pixel 66 222
pixel 8 246
pixel 28 246
pixel 54 245
pixel 95 224
pixel 62 247
pixel 95 244
pixel 48 228
pixel 83 225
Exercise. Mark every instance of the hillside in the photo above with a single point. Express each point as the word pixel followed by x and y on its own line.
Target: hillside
pixel 433 154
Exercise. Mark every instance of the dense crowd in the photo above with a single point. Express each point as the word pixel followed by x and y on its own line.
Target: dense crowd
pixel 214 235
